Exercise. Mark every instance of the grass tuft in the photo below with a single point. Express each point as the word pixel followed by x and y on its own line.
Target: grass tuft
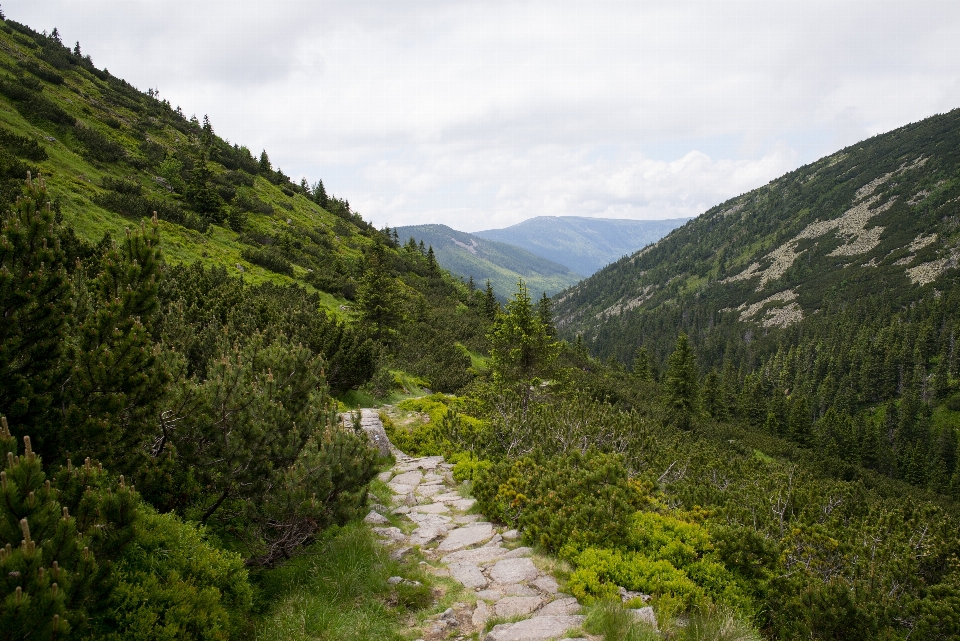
pixel 339 590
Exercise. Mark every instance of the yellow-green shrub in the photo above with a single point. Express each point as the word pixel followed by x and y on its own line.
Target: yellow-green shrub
pixel 600 571
pixel 446 432
pixel 466 466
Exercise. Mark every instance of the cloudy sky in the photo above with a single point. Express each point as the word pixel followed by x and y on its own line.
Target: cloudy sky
pixel 480 114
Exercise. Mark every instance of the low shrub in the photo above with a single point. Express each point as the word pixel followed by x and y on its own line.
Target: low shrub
pixel 21 146
pixel 268 258
pixel 564 503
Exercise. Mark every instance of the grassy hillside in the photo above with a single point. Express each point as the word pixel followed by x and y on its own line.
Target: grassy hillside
pixel 112 155
pixel 582 244
pixel 501 263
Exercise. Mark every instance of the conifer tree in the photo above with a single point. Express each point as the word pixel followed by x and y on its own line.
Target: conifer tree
pixel 58 538
pixel 35 299
pixel 681 384
pixel 641 364
pixel 320 194
pixel 200 193
pixel 545 315
pixel 521 347
pixel 491 306
pixel 377 297
pixel 265 168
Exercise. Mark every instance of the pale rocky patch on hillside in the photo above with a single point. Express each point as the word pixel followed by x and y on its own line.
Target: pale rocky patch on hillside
pixel 851 227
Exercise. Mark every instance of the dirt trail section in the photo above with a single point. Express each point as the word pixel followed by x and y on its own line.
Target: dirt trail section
pixel 502 584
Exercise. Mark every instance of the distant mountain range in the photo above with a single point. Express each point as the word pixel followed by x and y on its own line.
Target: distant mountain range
pixel 468 255
pixel 585 245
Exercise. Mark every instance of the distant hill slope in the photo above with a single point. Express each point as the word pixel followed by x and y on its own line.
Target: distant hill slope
pixel 582 244
pixel 874 226
pixel 501 263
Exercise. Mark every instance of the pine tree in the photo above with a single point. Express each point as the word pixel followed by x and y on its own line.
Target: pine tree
pixel 200 193
pixel 681 384
pixel 57 540
pixel 545 314
pixel 641 364
pixel 320 194
pixel 265 168
pixel 491 306
pixel 377 296
pixel 36 297
pixel 521 347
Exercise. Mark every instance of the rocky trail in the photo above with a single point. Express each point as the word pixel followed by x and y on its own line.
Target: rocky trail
pixel 503 584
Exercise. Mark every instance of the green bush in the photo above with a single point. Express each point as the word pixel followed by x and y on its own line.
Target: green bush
pixel 22 146
pixel 174 584
pixel 571 501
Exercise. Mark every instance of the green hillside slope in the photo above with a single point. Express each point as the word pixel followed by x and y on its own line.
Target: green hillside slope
pixel 501 263
pixel 829 297
pixel 582 244
pixel 111 156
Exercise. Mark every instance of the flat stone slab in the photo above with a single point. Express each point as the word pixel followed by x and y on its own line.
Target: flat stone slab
pixel 464 504
pixel 490 595
pixel 407 478
pixel 429 490
pixel 373 427
pixel 477 555
pixel 466 536
pixel 425 463
pixel 567 605
pixel 519 552
pixel 430 477
pixel 481 614
pixel 427 518
pixel 401 489
pixel 516 589
pixel 385 476
pixel 449 496
pixel 467 518
pixel 513 606
pixel 514 571
pixel 547 584
pixel 431 508
pixel 424 535
pixel 468 574
pixel 536 629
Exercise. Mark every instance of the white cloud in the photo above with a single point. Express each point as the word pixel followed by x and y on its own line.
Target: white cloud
pixel 481 113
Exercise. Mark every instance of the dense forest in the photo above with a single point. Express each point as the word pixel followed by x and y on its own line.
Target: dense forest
pixel 183 325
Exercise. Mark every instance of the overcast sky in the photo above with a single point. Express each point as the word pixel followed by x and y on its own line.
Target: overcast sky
pixel 481 114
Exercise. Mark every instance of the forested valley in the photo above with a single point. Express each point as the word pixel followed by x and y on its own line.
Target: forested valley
pixel 185 330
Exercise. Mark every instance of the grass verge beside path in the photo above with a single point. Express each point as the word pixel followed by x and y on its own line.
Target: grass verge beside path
pixel 339 590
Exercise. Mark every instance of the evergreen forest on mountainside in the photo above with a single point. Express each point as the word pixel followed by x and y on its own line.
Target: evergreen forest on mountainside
pixel 753 421
pixel 479 260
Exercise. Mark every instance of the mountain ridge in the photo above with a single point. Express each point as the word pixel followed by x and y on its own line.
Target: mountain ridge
pixel 583 244
pixel 468 255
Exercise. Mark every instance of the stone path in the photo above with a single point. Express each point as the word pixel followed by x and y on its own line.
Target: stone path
pixel 501 578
